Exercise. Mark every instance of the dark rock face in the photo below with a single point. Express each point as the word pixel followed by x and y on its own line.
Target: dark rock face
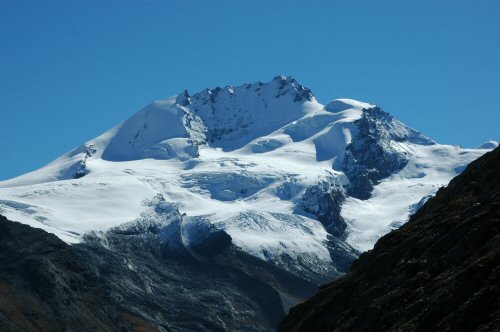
pixel 440 271
pixel 45 287
pixel 79 169
pixel 288 85
pixel 325 202
pixel 372 156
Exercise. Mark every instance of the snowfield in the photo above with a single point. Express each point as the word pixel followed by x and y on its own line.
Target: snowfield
pixel 240 159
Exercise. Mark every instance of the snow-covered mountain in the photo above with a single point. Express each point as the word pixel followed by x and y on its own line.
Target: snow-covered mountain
pixel 302 185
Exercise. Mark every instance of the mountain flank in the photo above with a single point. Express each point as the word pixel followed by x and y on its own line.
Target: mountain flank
pixel 440 271
pixel 45 287
pixel 138 279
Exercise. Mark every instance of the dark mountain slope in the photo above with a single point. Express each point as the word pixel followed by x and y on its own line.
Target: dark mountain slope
pixel 439 272
pixel 210 286
pixel 44 287
pixel 134 279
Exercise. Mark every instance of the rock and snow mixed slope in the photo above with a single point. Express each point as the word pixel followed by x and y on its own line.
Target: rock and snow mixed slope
pixel 292 181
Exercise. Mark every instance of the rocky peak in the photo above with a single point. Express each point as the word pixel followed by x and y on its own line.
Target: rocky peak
pixel 287 85
pixel 378 123
pixel 235 115
pixel 184 99
pixel 374 153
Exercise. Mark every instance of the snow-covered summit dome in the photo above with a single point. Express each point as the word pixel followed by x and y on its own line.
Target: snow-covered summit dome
pixel 339 105
pixel 489 145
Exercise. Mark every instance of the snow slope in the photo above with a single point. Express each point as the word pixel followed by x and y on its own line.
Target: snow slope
pixel 242 159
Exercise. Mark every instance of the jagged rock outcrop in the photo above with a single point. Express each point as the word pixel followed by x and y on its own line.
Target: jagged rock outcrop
pixel 325 201
pixel 374 153
pixel 440 271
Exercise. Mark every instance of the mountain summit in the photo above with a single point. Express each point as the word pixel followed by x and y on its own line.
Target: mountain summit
pixel 303 185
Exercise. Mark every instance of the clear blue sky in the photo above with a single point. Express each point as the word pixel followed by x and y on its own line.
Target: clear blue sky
pixel 70 69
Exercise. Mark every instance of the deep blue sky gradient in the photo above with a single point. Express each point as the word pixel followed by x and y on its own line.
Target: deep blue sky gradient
pixel 69 70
